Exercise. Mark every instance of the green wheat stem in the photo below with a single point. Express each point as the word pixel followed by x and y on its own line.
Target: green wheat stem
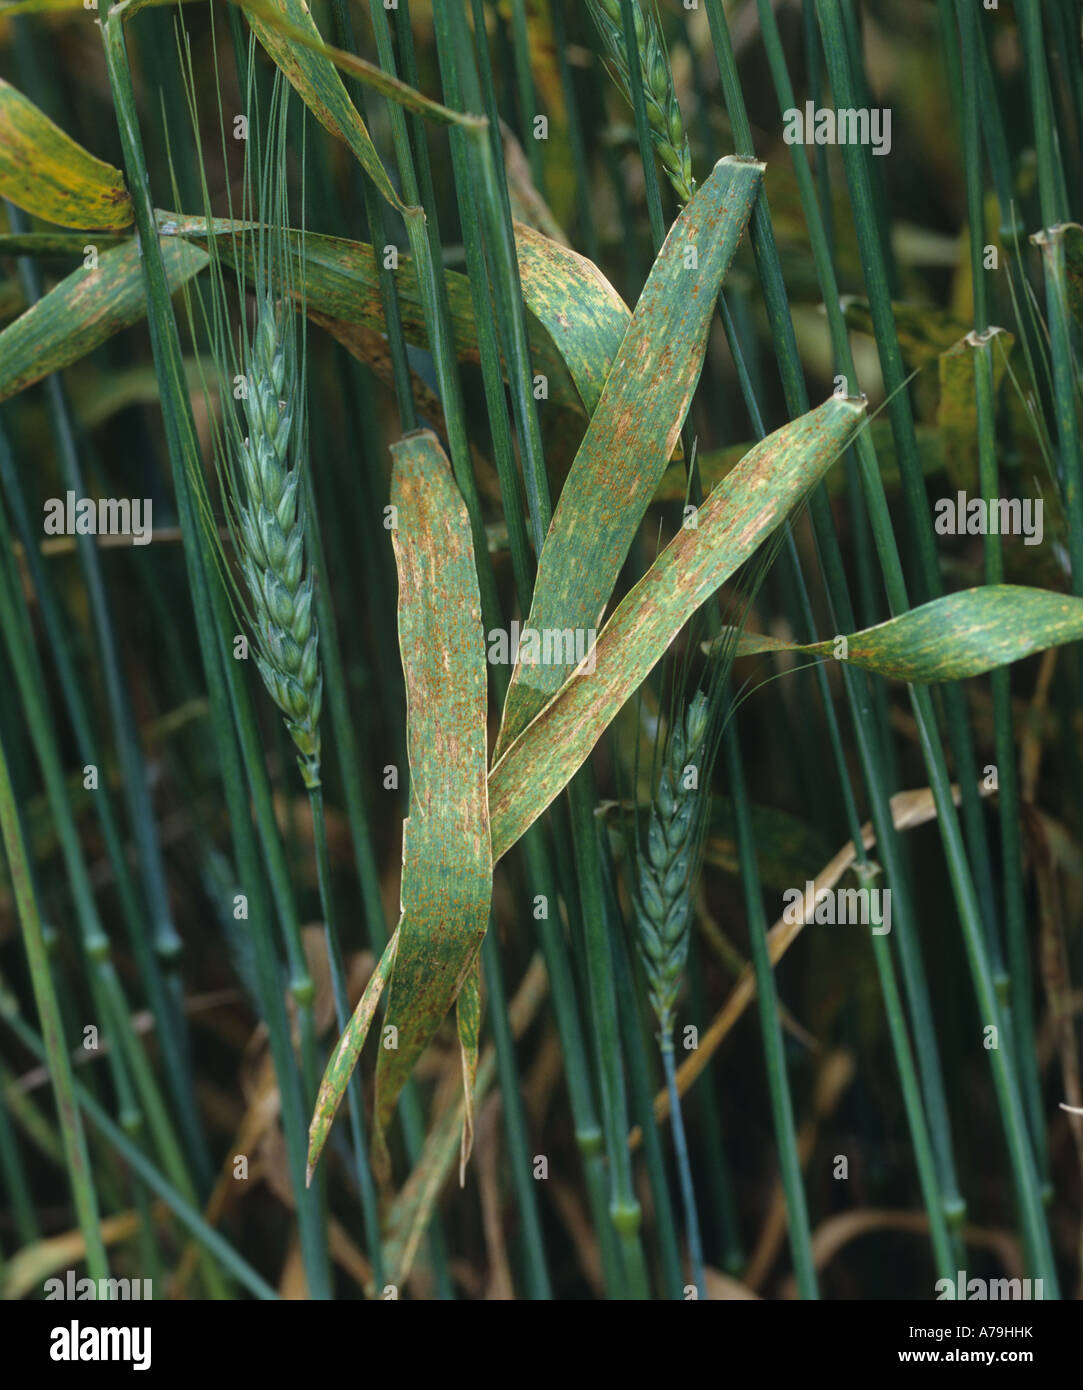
pixel 1009 811
pixel 366 1185
pixel 771 1028
pixel 127 1058
pixel 528 95
pixel 684 1166
pixel 17 1184
pixel 161 969
pixel 642 1089
pixel 515 1128
pixel 55 1050
pixel 877 269
pixel 766 253
pixel 580 168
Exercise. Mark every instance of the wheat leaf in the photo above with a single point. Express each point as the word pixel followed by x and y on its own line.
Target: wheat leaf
pixel 743 511
pixel 446 858
pixel 951 638
pixel 468 1024
pixel 84 310
pixel 345 1056
pixel 314 77
pixel 584 315
pixel 45 172
pixel 631 436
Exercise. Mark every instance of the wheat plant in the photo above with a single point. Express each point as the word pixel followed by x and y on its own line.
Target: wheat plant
pixel 667 873
pixel 420 347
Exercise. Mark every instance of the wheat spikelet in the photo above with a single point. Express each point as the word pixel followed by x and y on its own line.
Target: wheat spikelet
pixel 663 109
pixel 667 864
pixel 271 519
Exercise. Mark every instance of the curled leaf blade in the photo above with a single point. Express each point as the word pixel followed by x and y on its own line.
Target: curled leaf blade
pixel 582 312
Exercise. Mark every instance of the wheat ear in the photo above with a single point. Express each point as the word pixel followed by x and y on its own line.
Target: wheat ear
pixel 663 109
pixel 667 864
pixel 272 551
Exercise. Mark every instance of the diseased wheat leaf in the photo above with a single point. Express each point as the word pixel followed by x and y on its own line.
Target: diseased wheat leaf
pixel 923 331
pixel 341 281
pixel 584 315
pixel 575 325
pixel 631 435
pixel 344 1058
pixel 743 511
pixel 47 173
pixel 468 1024
pixel 951 638
pixel 1073 267
pixel 84 310
pixel 957 413
pixel 446 858
pixel 714 464
pixel 412 1207
pixel 314 77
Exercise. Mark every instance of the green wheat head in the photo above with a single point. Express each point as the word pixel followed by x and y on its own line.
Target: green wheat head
pixel 663 109
pixel 667 863
pixel 260 450
pixel 271 532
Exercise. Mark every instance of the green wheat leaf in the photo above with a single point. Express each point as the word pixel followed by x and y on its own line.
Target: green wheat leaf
pixel 84 310
pixel 746 507
pixel 951 638
pixel 468 1024
pixel 314 76
pixel 584 315
pixel 632 433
